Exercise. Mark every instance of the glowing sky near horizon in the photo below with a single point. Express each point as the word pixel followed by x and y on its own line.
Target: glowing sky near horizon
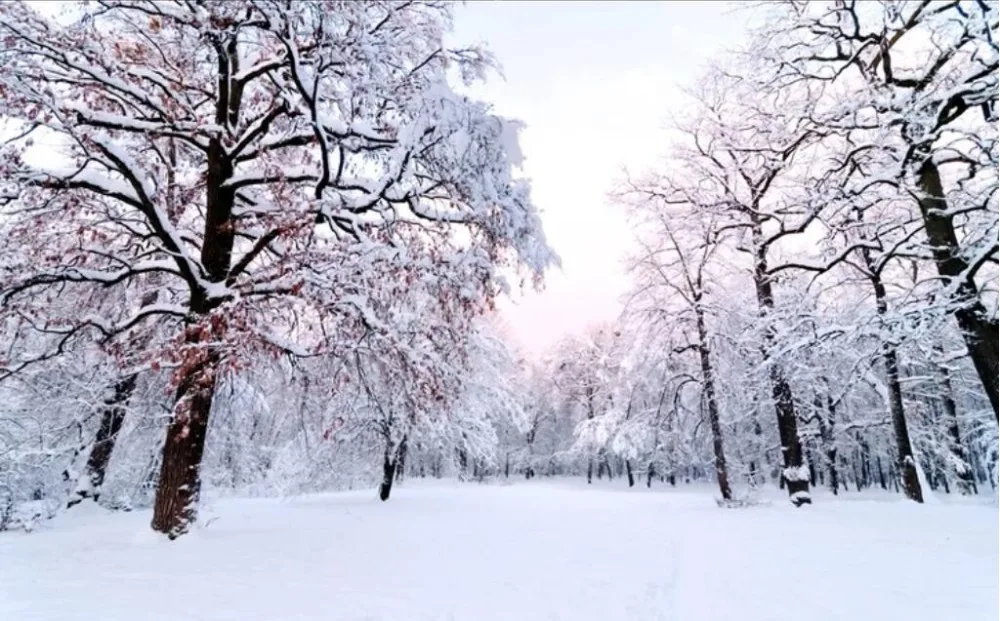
pixel 596 83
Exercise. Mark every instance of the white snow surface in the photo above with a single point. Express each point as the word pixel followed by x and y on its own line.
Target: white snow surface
pixel 546 550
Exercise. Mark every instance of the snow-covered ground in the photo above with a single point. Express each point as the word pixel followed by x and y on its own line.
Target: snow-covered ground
pixel 549 550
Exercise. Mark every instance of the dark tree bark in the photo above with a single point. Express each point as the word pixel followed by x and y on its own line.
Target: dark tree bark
pixel 866 462
pixel 797 481
pixel 463 463
pixel 176 500
pixel 112 417
pixel 175 507
pixel 650 473
pixel 960 461
pixel 978 329
pixel 708 390
pixel 827 417
pixel 628 473
pixel 890 359
pixel 942 478
pixel 907 463
pixel 401 461
pixel 607 465
pixel 857 465
pixel 388 475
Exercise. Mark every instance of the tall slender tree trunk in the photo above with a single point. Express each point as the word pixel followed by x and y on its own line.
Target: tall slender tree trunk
pixel 708 383
pixel 112 416
pixel 890 359
pixel 827 419
pixel 907 463
pixel 794 474
pixel 881 473
pixel 401 461
pixel 959 460
pixel 978 328
pixel 628 473
pixel 866 461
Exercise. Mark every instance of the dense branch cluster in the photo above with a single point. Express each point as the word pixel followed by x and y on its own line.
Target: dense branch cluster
pixel 192 188
pixel 821 243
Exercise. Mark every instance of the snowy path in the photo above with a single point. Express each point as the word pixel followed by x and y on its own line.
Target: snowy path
pixel 545 551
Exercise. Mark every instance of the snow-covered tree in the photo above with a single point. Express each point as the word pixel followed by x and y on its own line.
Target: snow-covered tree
pixel 282 169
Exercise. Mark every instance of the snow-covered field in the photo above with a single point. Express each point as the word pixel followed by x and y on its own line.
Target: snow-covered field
pixel 552 550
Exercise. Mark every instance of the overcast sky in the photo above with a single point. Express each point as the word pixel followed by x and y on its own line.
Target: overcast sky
pixel 595 83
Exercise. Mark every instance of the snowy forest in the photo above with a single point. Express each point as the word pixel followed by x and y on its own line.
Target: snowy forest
pixel 257 249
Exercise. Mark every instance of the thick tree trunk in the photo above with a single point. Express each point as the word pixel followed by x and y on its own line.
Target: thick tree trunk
pixel 175 507
pixel 388 475
pixel 112 417
pixel 978 329
pixel 795 475
pixel 650 473
pixel 628 473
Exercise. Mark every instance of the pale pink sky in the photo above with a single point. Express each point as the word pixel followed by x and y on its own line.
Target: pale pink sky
pixel 595 82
